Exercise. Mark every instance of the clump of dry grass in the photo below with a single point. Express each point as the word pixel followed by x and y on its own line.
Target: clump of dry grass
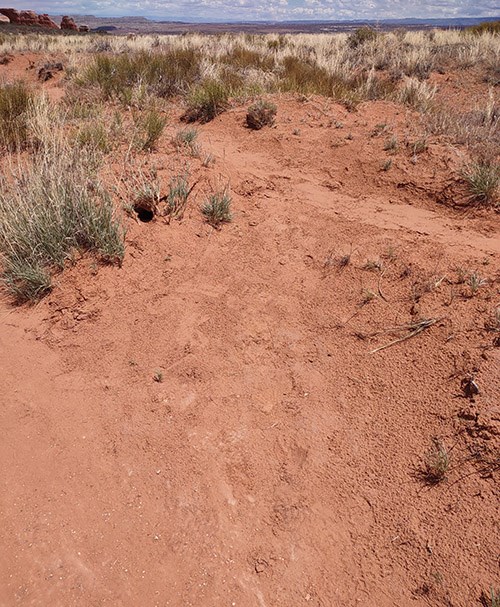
pixel 15 100
pixel 436 463
pixel 483 179
pixel 206 101
pixel 153 124
pixel 217 208
pixel 417 94
pixel 164 73
pixel 261 113
pixel 55 207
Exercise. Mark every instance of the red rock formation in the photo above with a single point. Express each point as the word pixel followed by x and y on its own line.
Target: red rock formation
pixel 11 14
pixel 68 23
pixel 28 18
pixel 46 21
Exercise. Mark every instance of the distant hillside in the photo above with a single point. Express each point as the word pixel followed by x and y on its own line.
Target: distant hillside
pixel 124 25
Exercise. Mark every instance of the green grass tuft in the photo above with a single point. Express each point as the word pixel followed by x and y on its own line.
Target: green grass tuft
pixel 483 179
pixel 217 208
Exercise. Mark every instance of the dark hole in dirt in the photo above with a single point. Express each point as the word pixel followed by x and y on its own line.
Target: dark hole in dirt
pixel 144 215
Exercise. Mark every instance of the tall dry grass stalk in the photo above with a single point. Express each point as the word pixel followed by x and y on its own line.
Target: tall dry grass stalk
pixel 53 204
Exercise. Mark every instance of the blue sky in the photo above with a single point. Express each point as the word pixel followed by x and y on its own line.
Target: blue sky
pixel 254 10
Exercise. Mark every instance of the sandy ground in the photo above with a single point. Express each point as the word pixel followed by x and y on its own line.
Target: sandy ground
pixel 276 462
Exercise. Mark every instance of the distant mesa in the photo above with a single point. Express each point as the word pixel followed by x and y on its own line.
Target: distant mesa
pixel 31 18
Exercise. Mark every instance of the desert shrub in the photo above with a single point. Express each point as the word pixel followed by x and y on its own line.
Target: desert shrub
pixel 206 101
pixel 15 100
pixel 164 74
pixel 361 36
pixel 303 76
pixel 153 125
pixel 57 206
pixel 483 179
pixel 243 58
pixel 217 208
pixel 260 114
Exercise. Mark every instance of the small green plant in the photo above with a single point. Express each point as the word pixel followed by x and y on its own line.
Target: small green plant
pixel 373 265
pixel 436 463
pixel 483 179
pixel 153 125
pixel 158 377
pixel 217 208
pixel 260 114
pixel 387 165
pixel 186 139
pixel 475 281
pixel 15 100
pixel 177 197
pixel 391 144
pixel 206 101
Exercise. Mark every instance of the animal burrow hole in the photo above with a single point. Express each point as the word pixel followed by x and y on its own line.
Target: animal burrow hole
pixel 144 211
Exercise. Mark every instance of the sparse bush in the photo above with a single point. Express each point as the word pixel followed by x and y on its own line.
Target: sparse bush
pixel 56 207
pixel 436 463
pixel 206 101
pixel 217 208
pixel 15 100
pixel 483 179
pixel 260 114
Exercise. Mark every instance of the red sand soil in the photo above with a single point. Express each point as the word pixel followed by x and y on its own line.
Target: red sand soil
pixel 276 463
